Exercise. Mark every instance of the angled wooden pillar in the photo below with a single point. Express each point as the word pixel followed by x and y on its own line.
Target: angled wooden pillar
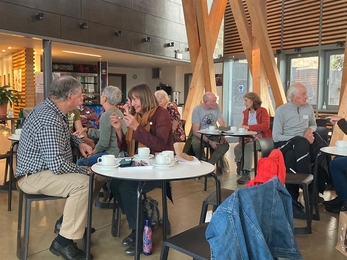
pixel 337 133
pixel 253 54
pixel 201 45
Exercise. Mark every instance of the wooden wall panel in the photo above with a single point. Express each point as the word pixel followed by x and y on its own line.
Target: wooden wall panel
pixel 24 60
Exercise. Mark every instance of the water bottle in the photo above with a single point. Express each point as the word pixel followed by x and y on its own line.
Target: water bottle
pixel 147 247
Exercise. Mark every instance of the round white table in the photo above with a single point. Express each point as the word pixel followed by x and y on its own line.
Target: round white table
pixel 333 150
pixel 249 134
pixel 179 171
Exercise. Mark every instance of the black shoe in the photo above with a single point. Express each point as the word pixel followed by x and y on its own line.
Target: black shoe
pixel 243 179
pixel 332 202
pixel 131 251
pixel 336 208
pixel 130 239
pixel 298 210
pixel 58 226
pixel 71 252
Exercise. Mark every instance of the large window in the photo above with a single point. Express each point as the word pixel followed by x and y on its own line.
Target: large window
pixel 333 74
pixel 305 70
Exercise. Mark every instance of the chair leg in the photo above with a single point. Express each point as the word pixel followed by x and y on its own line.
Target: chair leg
pixel 19 228
pixel 164 251
pixel 203 212
pixel 308 228
pixel 116 220
pixel 27 227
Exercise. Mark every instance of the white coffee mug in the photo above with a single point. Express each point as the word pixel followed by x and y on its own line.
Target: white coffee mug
pixel 169 154
pixel 18 131
pixel 242 130
pixel 162 159
pixel 212 128
pixel 341 144
pixel 107 160
pixel 233 129
pixel 143 152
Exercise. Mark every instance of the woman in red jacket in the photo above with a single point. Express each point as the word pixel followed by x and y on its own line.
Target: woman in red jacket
pixel 255 118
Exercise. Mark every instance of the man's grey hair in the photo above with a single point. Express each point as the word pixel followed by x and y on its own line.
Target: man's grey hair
pixel 293 90
pixel 61 87
pixel 113 95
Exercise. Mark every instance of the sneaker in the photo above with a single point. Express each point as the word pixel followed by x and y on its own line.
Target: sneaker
pixel 336 208
pixel 298 210
pixel 243 179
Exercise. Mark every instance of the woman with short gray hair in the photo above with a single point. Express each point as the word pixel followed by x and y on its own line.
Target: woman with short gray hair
pixel 107 144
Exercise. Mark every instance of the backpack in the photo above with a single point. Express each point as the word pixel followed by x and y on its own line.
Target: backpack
pixel 151 210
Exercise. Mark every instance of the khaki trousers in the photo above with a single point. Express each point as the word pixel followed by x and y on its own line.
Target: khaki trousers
pixel 73 186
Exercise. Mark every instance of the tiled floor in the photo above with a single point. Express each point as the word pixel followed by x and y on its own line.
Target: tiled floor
pixel 183 214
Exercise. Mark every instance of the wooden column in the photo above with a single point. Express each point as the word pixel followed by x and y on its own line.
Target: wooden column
pixel 202 32
pixel 24 61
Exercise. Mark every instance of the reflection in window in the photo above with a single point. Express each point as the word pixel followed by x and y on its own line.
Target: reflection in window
pixel 305 71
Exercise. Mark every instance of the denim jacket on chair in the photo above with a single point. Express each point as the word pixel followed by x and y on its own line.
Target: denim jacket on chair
pixel 254 223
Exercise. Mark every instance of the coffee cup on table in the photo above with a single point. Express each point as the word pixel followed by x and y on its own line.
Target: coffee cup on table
pixel 341 144
pixel 18 131
pixel 107 160
pixel 233 129
pixel 143 152
pixel 169 154
pixel 162 159
pixel 242 130
pixel 212 128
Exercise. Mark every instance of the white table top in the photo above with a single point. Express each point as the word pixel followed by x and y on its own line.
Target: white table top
pixel 334 150
pixel 226 133
pixel 13 137
pixel 179 171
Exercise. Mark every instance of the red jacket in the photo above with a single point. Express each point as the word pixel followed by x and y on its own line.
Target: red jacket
pixel 263 122
pixel 268 167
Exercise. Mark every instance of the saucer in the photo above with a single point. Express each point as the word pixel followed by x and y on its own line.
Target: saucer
pixel 107 167
pixel 341 148
pixel 139 157
pixel 163 165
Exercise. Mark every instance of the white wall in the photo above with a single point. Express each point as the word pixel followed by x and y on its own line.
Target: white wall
pixel 171 75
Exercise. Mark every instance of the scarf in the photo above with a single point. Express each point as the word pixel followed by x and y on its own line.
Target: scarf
pixel 144 121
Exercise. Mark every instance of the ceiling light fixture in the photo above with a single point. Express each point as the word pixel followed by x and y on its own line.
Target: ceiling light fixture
pixel 39 16
pixel 83 25
pixel 340 44
pixel 297 50
pixel 81 53
pixel 147 39
pixel 118 33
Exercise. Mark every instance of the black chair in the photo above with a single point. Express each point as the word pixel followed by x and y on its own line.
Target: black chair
pixel 191 242
pixel 23 246
pixel 325 133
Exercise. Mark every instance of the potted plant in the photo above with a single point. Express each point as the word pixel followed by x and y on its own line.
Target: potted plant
pixel 8 95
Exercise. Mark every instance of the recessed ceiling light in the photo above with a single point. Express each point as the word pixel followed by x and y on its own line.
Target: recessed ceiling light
pixel 9 47
pixel 81 53
pixel 3 50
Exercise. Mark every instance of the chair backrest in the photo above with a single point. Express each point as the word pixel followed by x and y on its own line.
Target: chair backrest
pixel 324 133
pixel 266 146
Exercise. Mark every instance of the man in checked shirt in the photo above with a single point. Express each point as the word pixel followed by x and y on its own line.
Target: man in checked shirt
pixel 45 164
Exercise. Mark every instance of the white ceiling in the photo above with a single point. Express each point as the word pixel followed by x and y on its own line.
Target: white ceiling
pixel 114 58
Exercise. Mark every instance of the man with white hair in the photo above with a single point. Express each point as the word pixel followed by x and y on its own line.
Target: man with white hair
pixel 293 132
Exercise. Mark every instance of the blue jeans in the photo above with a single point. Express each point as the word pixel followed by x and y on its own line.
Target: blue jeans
pixel 90 161
pixel 338 172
